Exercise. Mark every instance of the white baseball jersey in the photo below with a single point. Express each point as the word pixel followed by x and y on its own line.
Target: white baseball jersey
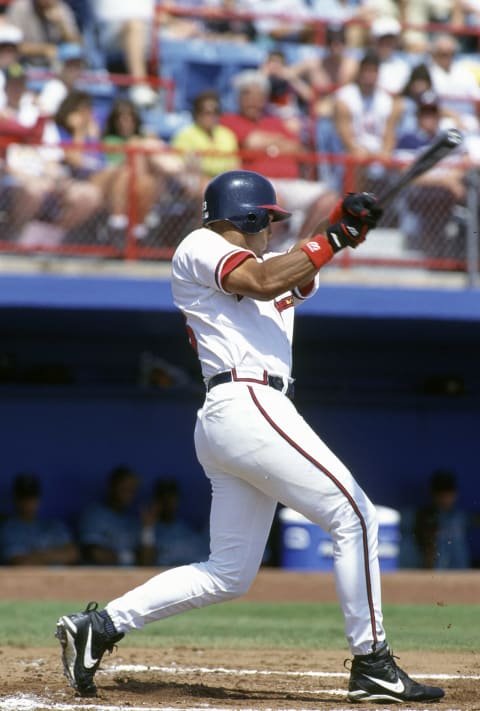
pixel 230 331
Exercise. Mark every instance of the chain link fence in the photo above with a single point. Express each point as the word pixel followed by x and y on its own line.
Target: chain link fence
pixel 142 207
pixel 138 205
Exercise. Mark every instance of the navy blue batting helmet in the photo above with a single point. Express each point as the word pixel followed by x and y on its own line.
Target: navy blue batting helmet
pixel 244 198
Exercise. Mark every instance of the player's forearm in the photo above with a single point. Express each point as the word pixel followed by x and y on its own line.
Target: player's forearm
pixel 266 280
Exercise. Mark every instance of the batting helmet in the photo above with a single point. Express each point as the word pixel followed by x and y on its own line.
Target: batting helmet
pixel 244 198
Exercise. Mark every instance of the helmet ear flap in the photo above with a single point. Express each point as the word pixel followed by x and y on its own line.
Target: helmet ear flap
pixel 255 221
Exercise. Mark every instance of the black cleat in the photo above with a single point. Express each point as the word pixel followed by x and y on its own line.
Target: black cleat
pixel 376 677
pixel 84 642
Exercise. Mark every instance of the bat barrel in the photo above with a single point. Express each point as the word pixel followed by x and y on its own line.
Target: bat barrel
pixel 446 142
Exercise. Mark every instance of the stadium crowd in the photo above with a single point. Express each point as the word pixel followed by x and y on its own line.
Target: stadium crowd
pixel 114 115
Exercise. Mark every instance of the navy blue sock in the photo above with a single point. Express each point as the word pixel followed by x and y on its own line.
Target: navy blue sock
pixel 108 624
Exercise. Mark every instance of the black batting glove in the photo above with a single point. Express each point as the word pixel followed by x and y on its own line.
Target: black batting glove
pixel 351 218
pixel 363 206
pixel 347 232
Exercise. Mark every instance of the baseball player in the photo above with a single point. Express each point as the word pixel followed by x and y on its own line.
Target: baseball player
pixel 254 446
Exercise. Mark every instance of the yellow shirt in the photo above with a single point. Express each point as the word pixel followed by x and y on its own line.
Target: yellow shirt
pixel 193 139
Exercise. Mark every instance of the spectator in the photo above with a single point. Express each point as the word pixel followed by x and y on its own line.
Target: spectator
pixel 289 92
pixel 205 135
pixel 334 11
pixel 83 13
pixel 362 113
pixel 124 29
pixel 393 71
pixel 328 71
pixel 10 39
pixel 340 12
pixel 153 167
pixel 423 12
pixel 109 532
pixel 467 12
pixel 280 20
pixel 426 209
pixel 81 134
pixel 45 25
pixel 70 63
pixel 416 45
pixel 277 153
pixel 406 103
pixel 178 26
pixel 172 540
pixel 430 120
pixel 28 539
pixel 435 535
pixel 227 26
pixel 404 114
pixel 453 81
pixel 45 203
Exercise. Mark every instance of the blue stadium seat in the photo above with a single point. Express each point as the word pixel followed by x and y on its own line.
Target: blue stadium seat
pixel 165 124
pixel 198 65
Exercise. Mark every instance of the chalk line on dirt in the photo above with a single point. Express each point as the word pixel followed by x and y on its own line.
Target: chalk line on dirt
pixel 177 669
pixel 28 702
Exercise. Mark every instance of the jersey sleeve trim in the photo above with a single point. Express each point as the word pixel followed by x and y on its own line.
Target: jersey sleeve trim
pixel 227 264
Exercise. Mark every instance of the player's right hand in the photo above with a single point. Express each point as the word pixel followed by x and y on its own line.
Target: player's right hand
pixel 359 206
pixel 351 219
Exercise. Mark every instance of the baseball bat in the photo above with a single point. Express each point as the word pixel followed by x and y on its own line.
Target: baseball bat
pixel 444 144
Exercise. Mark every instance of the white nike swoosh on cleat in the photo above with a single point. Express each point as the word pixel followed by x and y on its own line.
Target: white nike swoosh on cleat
pixel 88 660
pixel 396 688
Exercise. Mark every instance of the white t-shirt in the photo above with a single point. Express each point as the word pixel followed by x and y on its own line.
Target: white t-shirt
pixel 393 74
pixel 459 82
pixel 51 96
pixel 287 11
pixel 458 90
pixel 120 10
pixel 369 114
pixel 230 331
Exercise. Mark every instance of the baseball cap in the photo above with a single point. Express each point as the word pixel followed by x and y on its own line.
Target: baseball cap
pixel 385 26
pixel 26 486
pixel 10 34
pixel 69 51
pixel 428 101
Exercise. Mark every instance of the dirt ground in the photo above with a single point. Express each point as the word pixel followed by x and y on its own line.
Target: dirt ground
pixel 196 678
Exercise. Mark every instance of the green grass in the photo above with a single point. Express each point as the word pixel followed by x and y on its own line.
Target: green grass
pixel 245 624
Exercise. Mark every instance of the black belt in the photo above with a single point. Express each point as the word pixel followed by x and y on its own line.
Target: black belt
pixel 228 376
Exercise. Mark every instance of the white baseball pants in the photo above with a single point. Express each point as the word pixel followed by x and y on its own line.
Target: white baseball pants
pixel 257 449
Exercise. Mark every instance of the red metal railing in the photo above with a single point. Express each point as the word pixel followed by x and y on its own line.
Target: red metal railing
pixel 162 246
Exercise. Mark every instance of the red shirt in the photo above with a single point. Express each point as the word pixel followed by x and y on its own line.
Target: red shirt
pixel 282 166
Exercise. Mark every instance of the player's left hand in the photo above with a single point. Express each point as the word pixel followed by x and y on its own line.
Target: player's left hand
pixel 347 232
pixel 362 207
